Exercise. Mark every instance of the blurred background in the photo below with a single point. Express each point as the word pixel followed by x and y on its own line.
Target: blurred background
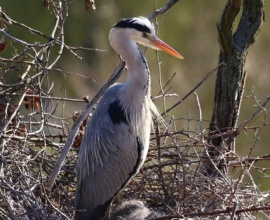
pixel 189 27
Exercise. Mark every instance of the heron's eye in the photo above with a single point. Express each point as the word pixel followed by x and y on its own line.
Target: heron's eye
pixel 144 35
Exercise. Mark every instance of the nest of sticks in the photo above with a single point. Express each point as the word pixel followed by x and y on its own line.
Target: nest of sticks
pixel 172 181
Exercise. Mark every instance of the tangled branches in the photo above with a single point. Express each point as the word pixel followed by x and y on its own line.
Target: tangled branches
pixel 31 142
pixel 172 181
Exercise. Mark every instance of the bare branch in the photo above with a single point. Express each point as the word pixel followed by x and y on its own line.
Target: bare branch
pixel 194 89
pixel 228 210
pixel 163 9
pixel 251 118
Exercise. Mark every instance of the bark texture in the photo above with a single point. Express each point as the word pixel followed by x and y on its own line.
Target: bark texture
pixel 230 80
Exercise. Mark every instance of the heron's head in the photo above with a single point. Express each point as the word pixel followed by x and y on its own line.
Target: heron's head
pixel 142 31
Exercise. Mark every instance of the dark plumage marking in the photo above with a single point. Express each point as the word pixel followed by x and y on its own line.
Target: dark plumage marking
pixel 117 113
pixel 143 59
pixel 132 23
pixel 145 87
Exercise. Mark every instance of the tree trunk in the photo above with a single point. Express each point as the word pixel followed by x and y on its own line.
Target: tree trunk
pixel 231 76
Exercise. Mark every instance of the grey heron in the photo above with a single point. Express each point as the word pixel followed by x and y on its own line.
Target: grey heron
pixel 116 139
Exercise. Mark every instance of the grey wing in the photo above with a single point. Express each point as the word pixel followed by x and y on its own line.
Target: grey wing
pixel 109 156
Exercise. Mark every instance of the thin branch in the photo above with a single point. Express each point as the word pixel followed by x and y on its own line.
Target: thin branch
pixel 24 43
pixel 248 120
pixel 162 10
pixel 31 30
pixel 193 90
pixel 233 211
pixel 3 130
pixel 48 97
pixel 218 212
pixel 200 117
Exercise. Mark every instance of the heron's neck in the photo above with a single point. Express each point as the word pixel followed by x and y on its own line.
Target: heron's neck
pixel 135 91
pixel 138 78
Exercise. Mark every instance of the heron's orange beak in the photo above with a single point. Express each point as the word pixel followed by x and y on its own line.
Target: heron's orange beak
pixel 156 42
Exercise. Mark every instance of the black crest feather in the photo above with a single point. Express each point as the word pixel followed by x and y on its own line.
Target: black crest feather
pixel 133 23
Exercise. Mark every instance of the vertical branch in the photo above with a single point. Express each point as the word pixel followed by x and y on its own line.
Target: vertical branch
pixel 231 77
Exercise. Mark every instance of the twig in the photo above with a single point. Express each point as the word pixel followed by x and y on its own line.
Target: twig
pixel 31 30
pixel 218 212
pixel 164 95
pixel 163 9
pixel 12 116
pixel 233 211
pixel 200 117
pixel 196 87
pixel 248 120
pixel 24 43
pixel 167 83
pixel 85 49
pixel 48 97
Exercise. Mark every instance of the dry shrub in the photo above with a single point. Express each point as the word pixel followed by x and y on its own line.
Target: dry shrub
pixel 172 181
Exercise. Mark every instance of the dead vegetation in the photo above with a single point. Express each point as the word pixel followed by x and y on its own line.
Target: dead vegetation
pixel 173 179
